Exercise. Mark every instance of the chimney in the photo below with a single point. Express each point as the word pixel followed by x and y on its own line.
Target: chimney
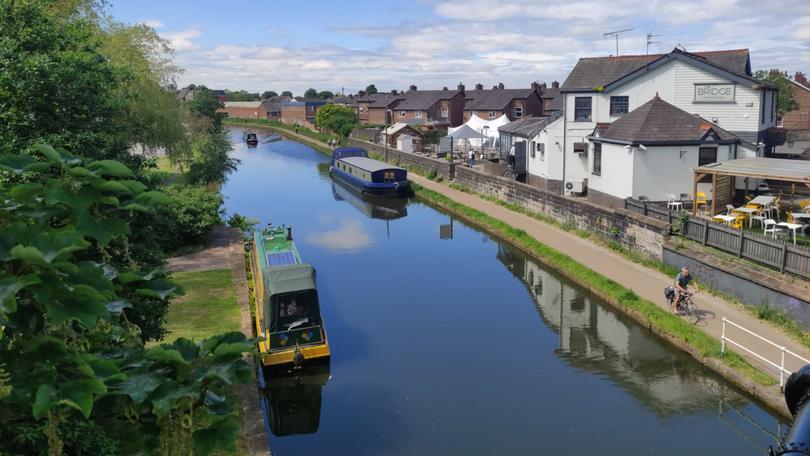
pixel 555 85
pixel 800 78
pixel 494 87
pixel 412 88
pixel 444 88
pixel 460 87
pixel 479 86
pixel 500 85
pixel 535 86
pixel 394 92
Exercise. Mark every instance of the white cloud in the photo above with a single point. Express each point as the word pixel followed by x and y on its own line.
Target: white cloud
pixel 182 40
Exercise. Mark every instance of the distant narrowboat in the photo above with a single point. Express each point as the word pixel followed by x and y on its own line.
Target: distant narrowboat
pixel 288 316
pixel 250 138
pixel 372 177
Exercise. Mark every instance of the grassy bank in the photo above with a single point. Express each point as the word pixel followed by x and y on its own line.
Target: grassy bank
pixel 657 318
pixel 209 306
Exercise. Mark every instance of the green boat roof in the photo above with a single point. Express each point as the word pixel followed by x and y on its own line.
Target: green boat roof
pixel 285 279
pixel 275 249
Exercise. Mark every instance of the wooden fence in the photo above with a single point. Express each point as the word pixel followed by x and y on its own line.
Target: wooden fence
pixel 775 253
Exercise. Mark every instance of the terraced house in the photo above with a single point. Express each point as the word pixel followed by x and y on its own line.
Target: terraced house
pixel 435 108
pixel 513 103
pixel 734 110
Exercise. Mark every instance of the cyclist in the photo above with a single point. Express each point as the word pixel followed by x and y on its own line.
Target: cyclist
pixel 682 281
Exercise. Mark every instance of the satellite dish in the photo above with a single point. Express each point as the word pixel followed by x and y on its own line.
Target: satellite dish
pixel 569 185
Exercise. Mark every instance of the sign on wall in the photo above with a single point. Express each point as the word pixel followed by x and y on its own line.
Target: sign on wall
pixel 714 93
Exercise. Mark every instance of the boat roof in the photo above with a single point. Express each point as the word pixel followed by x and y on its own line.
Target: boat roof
pixel 368 164
pixel 275 248
pixel 289 278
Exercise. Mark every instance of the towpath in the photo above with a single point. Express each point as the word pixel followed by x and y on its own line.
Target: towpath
pixel 226 251
pixel 647 283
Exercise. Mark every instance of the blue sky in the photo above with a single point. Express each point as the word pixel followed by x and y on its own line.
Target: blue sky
pixel 333 45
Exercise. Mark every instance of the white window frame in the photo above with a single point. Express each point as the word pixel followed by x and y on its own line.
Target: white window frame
pixel 517 111
pixel 492 114
pixel 418 114
pixel 444 112
pixel 401 113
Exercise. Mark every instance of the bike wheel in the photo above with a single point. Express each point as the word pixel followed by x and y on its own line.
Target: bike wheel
pixel 694 313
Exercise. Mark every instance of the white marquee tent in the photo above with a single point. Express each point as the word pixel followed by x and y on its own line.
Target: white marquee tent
pixel 491 131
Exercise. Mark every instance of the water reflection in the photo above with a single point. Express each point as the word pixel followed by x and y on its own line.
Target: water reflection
pixel 291 401
pixel 340 234
pixel 371 207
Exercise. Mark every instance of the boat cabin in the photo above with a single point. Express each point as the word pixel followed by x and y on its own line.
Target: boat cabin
pixel 355 162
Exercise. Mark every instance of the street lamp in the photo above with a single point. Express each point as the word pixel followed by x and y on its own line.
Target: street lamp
pixel 386 126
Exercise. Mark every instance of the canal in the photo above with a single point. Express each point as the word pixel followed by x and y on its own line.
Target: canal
pixel 447 341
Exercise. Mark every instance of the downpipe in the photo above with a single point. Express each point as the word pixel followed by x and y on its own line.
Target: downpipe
pixel 797 393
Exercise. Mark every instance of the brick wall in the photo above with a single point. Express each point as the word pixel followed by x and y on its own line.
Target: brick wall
pixel 244 113
pixel 798 119
pixel 634 231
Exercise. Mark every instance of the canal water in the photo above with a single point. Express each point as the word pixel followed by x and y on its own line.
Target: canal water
pixel 447 341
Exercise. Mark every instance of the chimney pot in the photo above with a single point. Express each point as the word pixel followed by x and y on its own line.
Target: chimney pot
pixel 479 86
pixel 412 88
pixel 500 85
pixel 800 77
pixel 394 92
pixel 444 88
pixel 460 87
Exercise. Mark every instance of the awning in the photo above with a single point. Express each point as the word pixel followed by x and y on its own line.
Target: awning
pixel 761 168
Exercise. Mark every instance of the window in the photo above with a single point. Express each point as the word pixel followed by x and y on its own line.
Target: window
pixel 619 105
pixel 418 114
pixel 779 122
pixel 401 113
pixel 542 149
pixel 534 148
pixel 580 148
pixel 582 109
pixel 518 111
pixel 492 114
pixel 597 159
pixel 707 155
pixel 388 176
pixel 444 112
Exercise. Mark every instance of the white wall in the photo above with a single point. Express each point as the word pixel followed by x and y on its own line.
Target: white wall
pixel 616 178
pixel 551 166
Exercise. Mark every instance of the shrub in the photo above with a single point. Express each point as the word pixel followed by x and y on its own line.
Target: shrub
pixel 190 215
pixel 238 220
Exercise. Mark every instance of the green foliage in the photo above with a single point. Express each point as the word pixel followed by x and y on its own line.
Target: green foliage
pixel 244 224
pixel 242 95
pixel 311 93
pixel 325 95
pixel 431 137
pixel 191 213
pixel 269 94
pixel 286 93
pixel 786 101
pixel 371 89
pixel 339 119
pixel 209 161
pixel 78 436
pixel 56 86
pixel 205 105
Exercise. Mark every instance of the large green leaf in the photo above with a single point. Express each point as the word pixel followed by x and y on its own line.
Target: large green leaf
pixel 158 288
pixel 10 286
pixel 16 163
pixel 163 398
pixel 83 303
pixel 139 386
pixel 166 355
pixel 49 152
pixel 102 229
pixel 81 393
pixel 110 168
pixel 221 435
pixel 234 350
pixel 28 255
pixel 42 401
pixel 152 199
pixel 115 187
pixel 133 185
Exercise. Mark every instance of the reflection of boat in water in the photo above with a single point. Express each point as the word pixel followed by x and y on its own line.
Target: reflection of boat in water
pixel 371 177
pixel 250 138
pixel 288 316
pixel 291 402
pixel 376 207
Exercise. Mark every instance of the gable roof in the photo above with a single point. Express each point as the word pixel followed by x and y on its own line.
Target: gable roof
pixel 241 104
pixel 493 99
pixel 552 99
pixel 592 72
pixel 799 84
pixel 377 100
pixel 420 100
pixel 528 127
pixel 658 122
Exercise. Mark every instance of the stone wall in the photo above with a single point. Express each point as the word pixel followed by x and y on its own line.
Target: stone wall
pixel 422 163
pixel 632 230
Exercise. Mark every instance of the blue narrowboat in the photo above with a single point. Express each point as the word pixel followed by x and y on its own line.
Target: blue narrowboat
pixel 371 177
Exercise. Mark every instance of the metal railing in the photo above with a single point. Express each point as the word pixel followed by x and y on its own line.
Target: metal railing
pixel 783 350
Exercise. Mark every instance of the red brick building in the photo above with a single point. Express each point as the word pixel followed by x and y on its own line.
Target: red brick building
pixel 301 112
pixel 438 108
pixel 371 109
pixel 799 119
pixel 244 109
pixel 514 103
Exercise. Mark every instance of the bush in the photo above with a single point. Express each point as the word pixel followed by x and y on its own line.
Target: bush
pixel 192 213
pixel 238 220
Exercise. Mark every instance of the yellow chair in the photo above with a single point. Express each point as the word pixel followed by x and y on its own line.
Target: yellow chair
pixel 738 222
pixel 700 201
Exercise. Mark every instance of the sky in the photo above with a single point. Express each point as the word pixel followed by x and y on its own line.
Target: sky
pixel 344 45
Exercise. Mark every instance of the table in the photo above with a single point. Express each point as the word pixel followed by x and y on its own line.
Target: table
pixel 762 200
pixel 800 216
pixel 792 227
pixel 748 211
pixel 727 219
pixel 675 205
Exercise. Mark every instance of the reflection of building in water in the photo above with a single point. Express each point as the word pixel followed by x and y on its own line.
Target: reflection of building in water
pixel 371 207
pixel 291 403
pixel 595 338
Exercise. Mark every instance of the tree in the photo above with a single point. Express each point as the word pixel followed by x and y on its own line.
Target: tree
pixel 785 102
pixel 268 94
pixel 242 95
pixel 286 93
pixel 431 137
pixel 205 104
pixel 311 93
pixel 70 361
pixel 336 118
pixel 371 89
pixel 325 95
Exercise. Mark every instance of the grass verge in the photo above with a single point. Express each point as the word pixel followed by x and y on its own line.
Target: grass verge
pixel 209 306
pixel 656 317
pixel 278 124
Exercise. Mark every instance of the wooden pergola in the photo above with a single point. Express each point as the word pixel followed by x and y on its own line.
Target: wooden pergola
pixel 780 169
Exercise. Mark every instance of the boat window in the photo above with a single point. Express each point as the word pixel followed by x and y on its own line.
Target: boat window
pixel 389 176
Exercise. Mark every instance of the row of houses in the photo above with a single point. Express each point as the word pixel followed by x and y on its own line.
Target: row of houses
pixel 634 126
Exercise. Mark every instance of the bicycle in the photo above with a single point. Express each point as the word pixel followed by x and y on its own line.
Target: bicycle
pixel 686 306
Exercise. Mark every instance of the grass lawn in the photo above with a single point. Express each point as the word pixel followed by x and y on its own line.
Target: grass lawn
pixel 209 306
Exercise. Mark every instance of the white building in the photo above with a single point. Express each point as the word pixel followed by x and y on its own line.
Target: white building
pixel 716 86
pixel 542 139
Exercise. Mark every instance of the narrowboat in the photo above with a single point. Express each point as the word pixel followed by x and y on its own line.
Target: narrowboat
pixel 288 318
pixel 353 166
pixel 250 138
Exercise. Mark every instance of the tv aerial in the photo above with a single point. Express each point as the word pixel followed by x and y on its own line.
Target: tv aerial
pixel 616 35
pixel 650 41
